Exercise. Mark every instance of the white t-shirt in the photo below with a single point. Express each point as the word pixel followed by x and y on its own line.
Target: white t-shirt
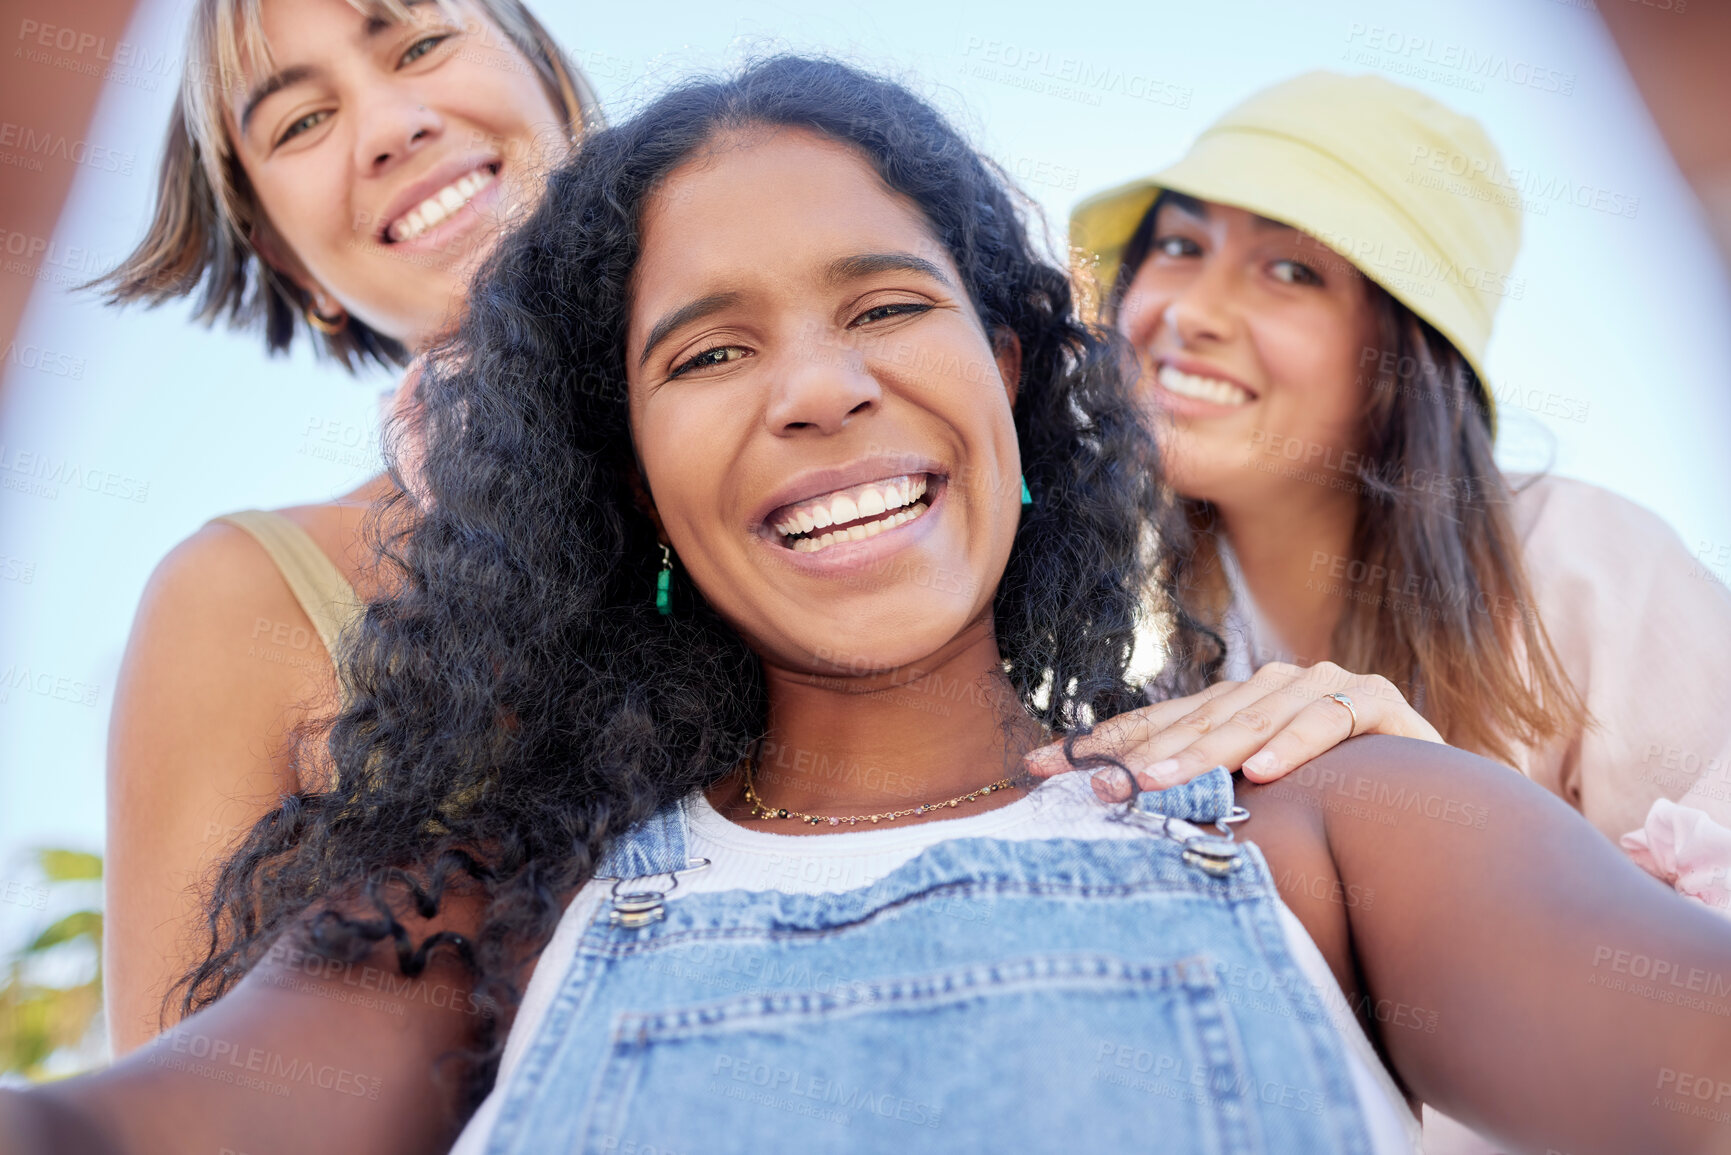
pixel 1062 807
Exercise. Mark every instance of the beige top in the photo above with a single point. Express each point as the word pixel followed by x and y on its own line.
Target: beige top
pixel 1641 629
pixel 317 584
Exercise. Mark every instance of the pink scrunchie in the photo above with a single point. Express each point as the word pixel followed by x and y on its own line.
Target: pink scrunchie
pixel 1684 847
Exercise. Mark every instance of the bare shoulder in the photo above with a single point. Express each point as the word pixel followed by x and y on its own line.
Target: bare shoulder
pixel 220 583
pixel 1355 768
pixel 217 585
pixel 1338 826
pixel 1377 789
pixel 222 659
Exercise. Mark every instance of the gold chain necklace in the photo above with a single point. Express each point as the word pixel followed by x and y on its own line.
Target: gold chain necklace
pixel 759 810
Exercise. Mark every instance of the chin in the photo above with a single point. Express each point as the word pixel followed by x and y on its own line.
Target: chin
pixel 1201 483
pixel 883 642
pixel 1187 479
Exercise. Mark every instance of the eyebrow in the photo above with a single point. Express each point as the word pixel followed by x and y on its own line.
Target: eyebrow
pixel 376 24
pixel 845 269
pixel 1191 206
pixel 283 78
pixel 839 271
pixel 270 86
pixel 683 316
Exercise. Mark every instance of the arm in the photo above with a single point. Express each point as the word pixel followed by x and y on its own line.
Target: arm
pixel 219 654
pixel 1577 1005
pixel 303 1055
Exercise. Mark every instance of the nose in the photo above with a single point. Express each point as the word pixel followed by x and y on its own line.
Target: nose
pixel 1199 310
pixel 1203 308
pixel 392 128
pixel 820 389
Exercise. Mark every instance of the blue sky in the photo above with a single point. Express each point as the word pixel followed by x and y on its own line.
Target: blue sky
pixel 1612 364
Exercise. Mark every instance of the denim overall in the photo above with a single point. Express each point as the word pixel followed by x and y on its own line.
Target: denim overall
pixel 987 995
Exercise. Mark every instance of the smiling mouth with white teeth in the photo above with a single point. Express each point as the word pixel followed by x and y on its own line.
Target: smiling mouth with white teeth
pixel 1210 389
pixel 852 514
pixel 441 204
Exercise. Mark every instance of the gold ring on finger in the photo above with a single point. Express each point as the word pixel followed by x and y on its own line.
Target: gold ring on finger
pixel 1347 702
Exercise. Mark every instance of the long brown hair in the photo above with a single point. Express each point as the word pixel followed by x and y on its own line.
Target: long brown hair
pixel 1436 593
pixel 199 239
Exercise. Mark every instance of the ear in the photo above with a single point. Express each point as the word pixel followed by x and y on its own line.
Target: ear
pixel 1007 351
pixel 646 503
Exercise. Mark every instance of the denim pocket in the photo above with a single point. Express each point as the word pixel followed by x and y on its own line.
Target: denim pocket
pixel 1055 1052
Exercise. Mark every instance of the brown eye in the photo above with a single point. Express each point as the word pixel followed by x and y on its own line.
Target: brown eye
pixel 1177 247
pixel 900 309
pixel 709 358
pixel 1295 273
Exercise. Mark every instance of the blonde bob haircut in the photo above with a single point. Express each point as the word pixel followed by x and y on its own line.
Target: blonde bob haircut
pixel 198 244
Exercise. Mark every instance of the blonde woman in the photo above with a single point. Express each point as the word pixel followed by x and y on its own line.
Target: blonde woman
pixel 333 173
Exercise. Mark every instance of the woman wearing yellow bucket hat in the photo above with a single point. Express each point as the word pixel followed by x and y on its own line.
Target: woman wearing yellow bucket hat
pixel 1310 292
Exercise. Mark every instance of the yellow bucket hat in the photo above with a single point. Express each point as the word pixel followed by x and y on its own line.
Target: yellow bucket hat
pixel 1411 192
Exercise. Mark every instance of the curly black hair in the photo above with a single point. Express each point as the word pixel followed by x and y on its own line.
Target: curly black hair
pixel 517 702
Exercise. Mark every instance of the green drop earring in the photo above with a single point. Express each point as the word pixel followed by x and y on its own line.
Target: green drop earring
pixel 1027 498
pixel 664 584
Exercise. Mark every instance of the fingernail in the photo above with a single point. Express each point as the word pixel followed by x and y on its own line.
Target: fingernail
pixel 1163 769
pixel 1260 763
pixel 1040 759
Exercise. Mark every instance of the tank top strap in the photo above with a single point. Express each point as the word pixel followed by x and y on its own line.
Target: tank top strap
pixel 317 584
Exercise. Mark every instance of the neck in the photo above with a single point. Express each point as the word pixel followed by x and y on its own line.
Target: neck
pixel 840 746
pixel 1292 551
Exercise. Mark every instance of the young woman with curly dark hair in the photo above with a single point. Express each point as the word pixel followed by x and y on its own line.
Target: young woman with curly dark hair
pixel 334 172
pixel 724 531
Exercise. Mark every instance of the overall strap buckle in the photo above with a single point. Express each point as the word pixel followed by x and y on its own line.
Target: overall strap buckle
pixel 639 908
pixel 1213 854
pixel 1206 798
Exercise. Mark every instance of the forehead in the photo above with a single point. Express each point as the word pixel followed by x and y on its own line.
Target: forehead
pixel 773 197
pixel 253 33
